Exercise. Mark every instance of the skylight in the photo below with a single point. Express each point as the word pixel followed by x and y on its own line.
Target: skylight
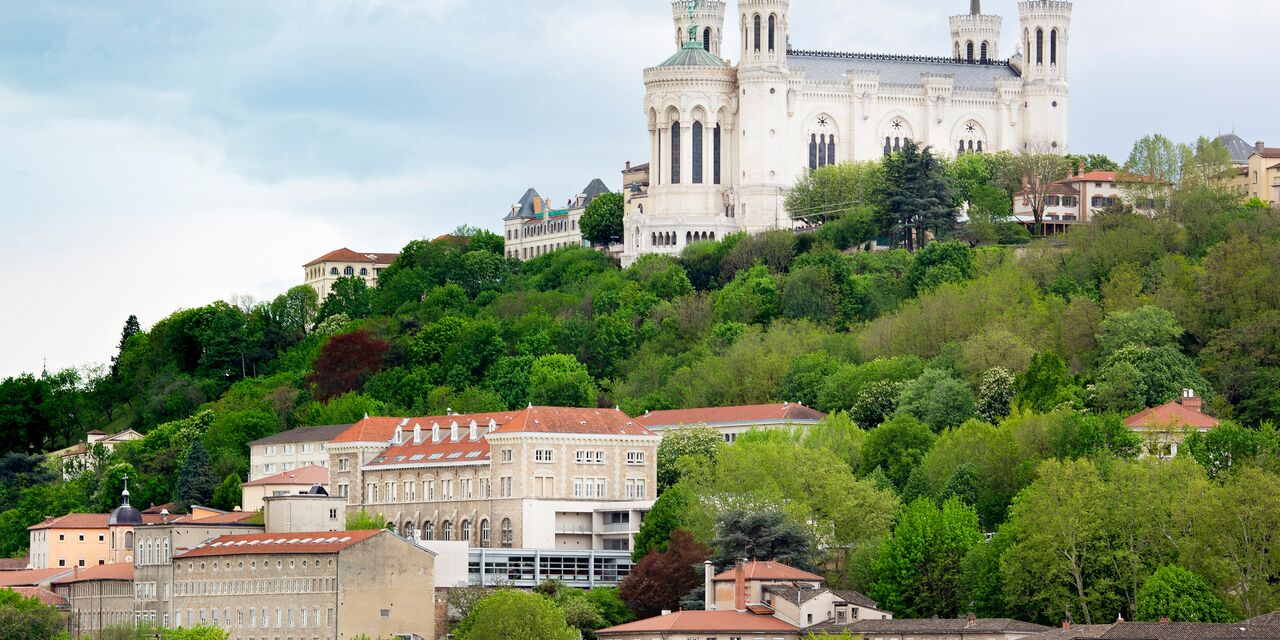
pixel 415 457
pixel 434 456
pixel 455 454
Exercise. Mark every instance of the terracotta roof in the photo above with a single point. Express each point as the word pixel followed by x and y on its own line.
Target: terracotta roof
pixel 604 422
pixel 949 626
pixel 116 571
pixel 1170 414
pixel 272 543
pixel 770 571
pixel 309 475
pixel 369 430
pixel 31 577
pixel 45 596
pixel 1269 152
pixel 758 413
pixel 157 508
pixel 89 521
pixel 346 255
pixel 14 564
pixel 304 434
pixel 702 622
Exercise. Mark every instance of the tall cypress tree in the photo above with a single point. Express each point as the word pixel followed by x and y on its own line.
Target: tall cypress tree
pixel 196 480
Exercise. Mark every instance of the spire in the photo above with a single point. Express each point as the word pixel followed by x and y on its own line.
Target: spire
pixel 124 495
pixel 975 7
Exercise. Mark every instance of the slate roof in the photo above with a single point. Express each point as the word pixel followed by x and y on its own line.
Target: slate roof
pixel 824 66
pixel 596 187
pixel 524 206
pixel 701 622
pixel 693 57
pixel 772 570
pixel 304 434
pixel 1237 148
pixel 272 543
pixel 309 475
pixel 758 413
pixel 932 626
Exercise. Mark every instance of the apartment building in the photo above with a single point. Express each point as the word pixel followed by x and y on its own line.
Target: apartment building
pixel 732 422
pixel 535 227
pixel 538 478
pixel 291 450
pixel 317 586
pixel 83 456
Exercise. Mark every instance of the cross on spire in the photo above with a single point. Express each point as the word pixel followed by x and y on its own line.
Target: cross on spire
pixel 124 495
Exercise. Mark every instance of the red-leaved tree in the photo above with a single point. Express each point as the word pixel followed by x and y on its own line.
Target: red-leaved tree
pixel 662 578
pixel 346 362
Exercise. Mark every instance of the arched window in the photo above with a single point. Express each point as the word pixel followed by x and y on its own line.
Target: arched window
pixel 446 531
pixel 1053 47
pixel 706 39
pixel 831 149
pixel 773 29
pixel 364 271
pixel 333 271
pixel 128 540
pixel 969 52
pixel 823 146
pixel 688 237
pixel 715 155
pixel 757 39
pixel 813 152
pixel 675 153
pixel 897 145
pixel 407 530
pixel 348 272
pixel 466 531
pixel 984 53
pixel 485 533
pixel 164 558
pixel 697 153
pixel 713 236
pixel 888 148
pixel 653 239
pixel 507 537
pixel 428 530
pixel 1039 46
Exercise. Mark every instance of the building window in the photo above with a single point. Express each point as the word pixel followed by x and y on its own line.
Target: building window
pixel 813 152
pixel 715 153
pixel 675 153
pixel 984 53
pixel 428 530
pixel 506 534
pixel 484 534
pixel 543 455
pixel 636 489
pixel 635 458
pixel 588 457
pixel 969 53
pixel 333 271
pixel 773 29
pixel 1053 47
pixel 504 487
pixel 465 533
pixel 757 33
pixel 349 271
pixel 697 153
pixel 504 455
pixel 446 531
pixel 364 272
pixel 1039 46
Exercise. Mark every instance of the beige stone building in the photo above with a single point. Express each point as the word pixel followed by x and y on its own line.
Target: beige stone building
pixel 539 478
pixel 83 456
pixel 299 480
pixel 535 227
pixel 304 512
pixel 313 586
pixel 98 598
pixel 291 450
pixel 1077 199
pixel 321 273
pixel 1262 180
pixel 156 546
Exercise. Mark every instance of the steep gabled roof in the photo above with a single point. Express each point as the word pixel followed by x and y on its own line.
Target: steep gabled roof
pixel 772 570
pixel 309 475
pixel 596 187
pixel 702 622
pixel 524 206
pixel 1237 148
pixel 758 413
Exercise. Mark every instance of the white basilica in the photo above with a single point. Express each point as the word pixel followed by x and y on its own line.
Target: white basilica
pixel 727 142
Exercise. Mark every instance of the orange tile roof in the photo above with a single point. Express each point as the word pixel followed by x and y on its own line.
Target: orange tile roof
pixel 346 255
pixel 14 564
pixel 116 571
pixel 1094 176
pixel 271 543
pixel 772 570
pixel 45 596
pixel 604 422
pixel 369 430
pixel 702 622
pixel 1170 414
pixel 90 521
pixel 31 577
pixel 760 413
pixel 311 474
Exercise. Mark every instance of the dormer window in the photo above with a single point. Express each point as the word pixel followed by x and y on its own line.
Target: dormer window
pixel 435 433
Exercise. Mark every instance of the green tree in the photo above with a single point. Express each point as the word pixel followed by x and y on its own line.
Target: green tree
pixel 751 297
pixel 610 605
pixel 601 223
pixel 196 481
pixel 507 613
pixel 1154 166
pixel 937 399
pixel 957 257
pixel 762 536
pixel 669 513
pixel 559 380
pixel 1043 387
pixel 896 447
pixel 365 521
pixel 701 445
pixel 1143 327
pixel 23 618
pixel 835 191
pixel 919 567
pixel 995 395
pixel 1180 596
pixel 917 197
pixel 350 297
pixel 227 495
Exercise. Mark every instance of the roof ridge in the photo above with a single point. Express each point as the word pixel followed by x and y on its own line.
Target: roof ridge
pixel 806 53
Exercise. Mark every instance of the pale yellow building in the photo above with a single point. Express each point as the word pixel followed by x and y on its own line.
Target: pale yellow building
pixel 284 483
pixel 317 586
pixel 1263 178
pixel 85 455
pixel 321 273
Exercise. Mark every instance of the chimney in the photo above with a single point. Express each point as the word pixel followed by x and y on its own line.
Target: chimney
pixel 417 434
pixel 740 585
pixel 399 437
pixel 628 165
pixel 1066 624
pixel 708 575
pixel 970 621
pixel 1191 401
pixel 1260 147
pixel 666 612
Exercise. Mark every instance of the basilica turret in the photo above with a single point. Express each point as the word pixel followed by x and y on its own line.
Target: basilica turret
pixel 975 37
pixel 705 24
pixel 766 31
pixel 1045 37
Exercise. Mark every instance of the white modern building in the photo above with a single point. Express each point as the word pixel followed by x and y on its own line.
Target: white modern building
pixel 727 142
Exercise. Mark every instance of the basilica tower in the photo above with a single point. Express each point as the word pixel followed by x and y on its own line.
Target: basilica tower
pixel 1046 29
pixel 707 21
pixel 975 37
pixel 767 102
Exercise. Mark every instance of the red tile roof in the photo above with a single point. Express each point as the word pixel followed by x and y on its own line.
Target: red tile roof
pixel 369 430
pixel 1170 414
pixel 45 596
pixel 272 543
pixel 771 570
pixel 14 564
pixel 758 413
pixel 1269 152
pixel 89 521
pixel 309 475
pixel 117 571
pixel 31 577
pixel 603 422
pixel 701 622
pixel 346 255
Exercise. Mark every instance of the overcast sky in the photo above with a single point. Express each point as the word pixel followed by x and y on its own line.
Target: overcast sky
pixel 160 155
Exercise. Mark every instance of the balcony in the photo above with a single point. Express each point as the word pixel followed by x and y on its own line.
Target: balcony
pixel 576 530
pixel 619 527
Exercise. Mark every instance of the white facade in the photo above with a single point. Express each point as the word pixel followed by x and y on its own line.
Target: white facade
pixel 535 228
pixel 726 142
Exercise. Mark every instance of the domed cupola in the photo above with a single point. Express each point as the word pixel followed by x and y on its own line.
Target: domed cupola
pixel 125 514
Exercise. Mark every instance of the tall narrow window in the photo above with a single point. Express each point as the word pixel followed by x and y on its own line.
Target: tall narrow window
pixel 1053 47
pixel 888 148
pixel 773 29
pixel 706 39
pixel 984 53
pixel 675 153
pixel 715 150
pixel 822 150
pixel 969 52
pixel 813 152
pixel 1039 46
pixel 697 153
pixel 831 149
pixel 757 39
